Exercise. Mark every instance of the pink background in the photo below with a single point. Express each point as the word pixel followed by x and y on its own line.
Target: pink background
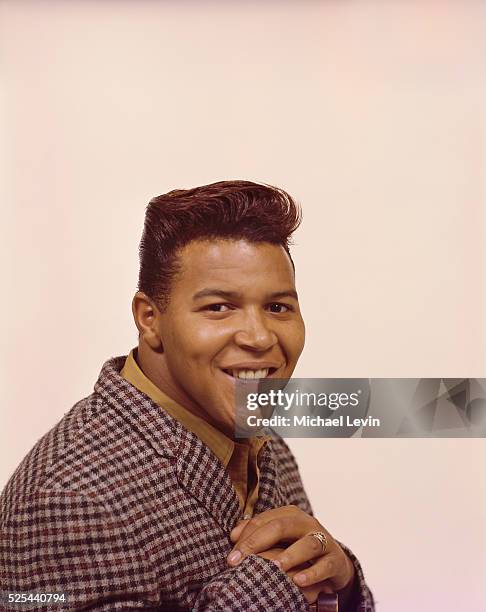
pixel 374 116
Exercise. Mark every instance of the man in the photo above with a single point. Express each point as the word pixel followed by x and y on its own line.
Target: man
pixel 141 498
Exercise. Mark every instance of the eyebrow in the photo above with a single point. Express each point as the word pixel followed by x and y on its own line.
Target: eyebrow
pixel 234 295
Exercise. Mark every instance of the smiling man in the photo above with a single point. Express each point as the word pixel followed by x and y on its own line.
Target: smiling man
pixel 141 498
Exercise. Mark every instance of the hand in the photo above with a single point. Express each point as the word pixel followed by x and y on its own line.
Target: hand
pixel 291 524
pixel 311 592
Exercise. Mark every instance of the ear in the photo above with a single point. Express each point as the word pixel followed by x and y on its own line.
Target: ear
pixel 146 315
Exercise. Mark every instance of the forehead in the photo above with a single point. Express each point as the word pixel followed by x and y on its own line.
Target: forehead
pixel 233 264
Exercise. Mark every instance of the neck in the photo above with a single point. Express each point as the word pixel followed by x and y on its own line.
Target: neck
pixel 154 365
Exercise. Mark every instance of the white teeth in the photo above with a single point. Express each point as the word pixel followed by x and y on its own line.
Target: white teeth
pixel 261 373
pixel 250 373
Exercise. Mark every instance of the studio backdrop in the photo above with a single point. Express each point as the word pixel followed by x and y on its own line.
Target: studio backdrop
pixel 373 116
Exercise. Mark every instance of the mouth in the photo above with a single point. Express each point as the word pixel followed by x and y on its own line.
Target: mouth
pixel 249 373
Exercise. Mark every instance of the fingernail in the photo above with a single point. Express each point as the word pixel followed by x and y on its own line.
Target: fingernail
pixel 300 578
pixel 277 563
pixel 234 557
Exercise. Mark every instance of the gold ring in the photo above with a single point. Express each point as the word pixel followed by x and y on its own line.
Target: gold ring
pixel 321 536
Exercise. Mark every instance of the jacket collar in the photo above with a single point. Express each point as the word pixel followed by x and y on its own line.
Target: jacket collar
pixel 198 470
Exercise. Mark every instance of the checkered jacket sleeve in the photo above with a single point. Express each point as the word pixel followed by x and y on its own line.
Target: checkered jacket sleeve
pixel 60 541
pixel 256 584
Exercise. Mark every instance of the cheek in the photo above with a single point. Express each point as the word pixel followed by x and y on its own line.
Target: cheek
pixel 294 338
pixel 197 341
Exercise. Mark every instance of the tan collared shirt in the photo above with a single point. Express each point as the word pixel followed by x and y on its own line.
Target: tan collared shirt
pixel 239 458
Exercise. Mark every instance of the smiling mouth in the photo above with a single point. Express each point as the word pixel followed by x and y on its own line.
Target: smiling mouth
pixel 250 374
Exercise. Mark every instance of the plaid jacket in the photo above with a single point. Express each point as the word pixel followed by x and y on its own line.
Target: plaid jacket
pixel 122 508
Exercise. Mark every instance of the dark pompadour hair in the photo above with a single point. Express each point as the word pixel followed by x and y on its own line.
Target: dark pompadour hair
pixel 224 210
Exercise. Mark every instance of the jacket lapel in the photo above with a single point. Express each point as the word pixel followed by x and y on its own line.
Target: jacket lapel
pixel 198 470
pixel 202 474
pixel 270 494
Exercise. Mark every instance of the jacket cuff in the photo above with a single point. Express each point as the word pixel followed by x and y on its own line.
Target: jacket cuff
pixel 255 585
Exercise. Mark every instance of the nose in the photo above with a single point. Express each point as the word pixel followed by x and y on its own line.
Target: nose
pixel 255 333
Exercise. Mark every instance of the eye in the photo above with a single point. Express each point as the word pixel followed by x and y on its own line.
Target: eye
pixel 217 307
pixel 278 308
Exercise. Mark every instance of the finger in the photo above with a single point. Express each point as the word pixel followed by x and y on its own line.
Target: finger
pixel 325 568
pixel 238 530
pixel 269 515
pixel 303 550
pixel 311 593
pixel 271 554
pixel 264 537
pixel 253 524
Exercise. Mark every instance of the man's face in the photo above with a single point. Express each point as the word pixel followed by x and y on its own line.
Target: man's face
pixel 233 312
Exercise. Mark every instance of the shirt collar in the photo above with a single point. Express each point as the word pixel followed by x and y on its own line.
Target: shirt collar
pixel 218 442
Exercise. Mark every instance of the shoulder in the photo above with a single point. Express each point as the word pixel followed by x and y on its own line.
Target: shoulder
pixel 47 453
pixel 92 451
